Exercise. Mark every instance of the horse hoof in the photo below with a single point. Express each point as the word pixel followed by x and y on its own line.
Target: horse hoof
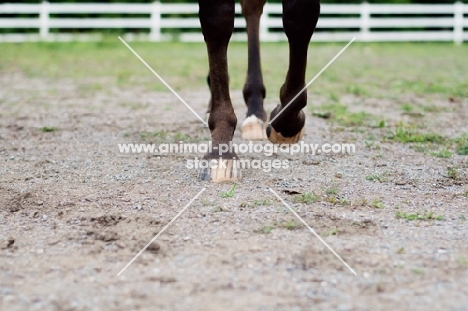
pixel 277 138
pixel 253 128
pixel 221 171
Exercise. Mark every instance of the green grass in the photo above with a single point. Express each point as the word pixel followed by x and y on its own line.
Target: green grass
pixel 418 271
pixel 307 198
pixel 153 137
pixel 377 203
pixel 443 153
pixel 452 173
pixel 340 114
pixel 264 229
pixel 377 177
pixel 48 129
pixel 462 150
pixel 407 107
pixel 229 193
pixel 289 225
pixel 408 135
pixel 416 68
pixel 178 136
pixel 418 216
pixel 332 190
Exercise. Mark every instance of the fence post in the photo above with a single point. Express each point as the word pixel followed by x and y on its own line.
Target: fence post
pixel 264 23
pixel 365 18
pixel 44 20
pixel 155 32
pixel 458 22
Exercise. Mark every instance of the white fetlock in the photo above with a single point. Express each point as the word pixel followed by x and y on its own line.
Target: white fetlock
pixel 253 128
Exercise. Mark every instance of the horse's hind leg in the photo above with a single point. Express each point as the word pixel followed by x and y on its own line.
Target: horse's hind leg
pixel 217 22
pixel 299 21
pixel 253 128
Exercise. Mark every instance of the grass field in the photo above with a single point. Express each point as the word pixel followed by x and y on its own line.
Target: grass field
pixel 377 70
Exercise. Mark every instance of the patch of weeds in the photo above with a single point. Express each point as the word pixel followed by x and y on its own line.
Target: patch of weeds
pixel 462 218
pixel 444 153
pixel 332 190
pixel 205 202
pixel 377 203
pixel 48 129
pixel 378 124
pixel 230 193
pixel 264 229
pixel 400 251
pixel 335 200
pixel 331 232
pixel 417 216
pixel 419 271
pixel 178 136
pixel 356 90
pixel 307 198
pixel 407 107
pixel 153 136
pixel 334 97
pixel 452 173
pixel 405 135
pixel 289 225
pixel 377 177
pixel 340 114
pixel 462 150
pixel 339 175
pixel 361 202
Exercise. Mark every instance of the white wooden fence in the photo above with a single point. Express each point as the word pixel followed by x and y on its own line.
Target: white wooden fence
pixel 368 22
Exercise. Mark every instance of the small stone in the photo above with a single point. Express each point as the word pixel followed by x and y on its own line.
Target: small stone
pixel 154 247
pixel 44 217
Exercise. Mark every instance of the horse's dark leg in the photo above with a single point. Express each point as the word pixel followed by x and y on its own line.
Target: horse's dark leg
pixel 217 22
pixel 208 81
pixel 299 21
pixel 253 128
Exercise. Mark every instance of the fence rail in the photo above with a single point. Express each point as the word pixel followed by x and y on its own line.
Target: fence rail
pixel 164 21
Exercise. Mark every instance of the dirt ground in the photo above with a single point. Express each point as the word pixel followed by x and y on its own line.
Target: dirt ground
pixel 74 211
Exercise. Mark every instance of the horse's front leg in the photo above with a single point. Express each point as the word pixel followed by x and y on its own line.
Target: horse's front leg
pixel 217 22
pixel 299 21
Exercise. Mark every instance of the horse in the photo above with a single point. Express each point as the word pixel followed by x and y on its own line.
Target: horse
pixel 287 127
